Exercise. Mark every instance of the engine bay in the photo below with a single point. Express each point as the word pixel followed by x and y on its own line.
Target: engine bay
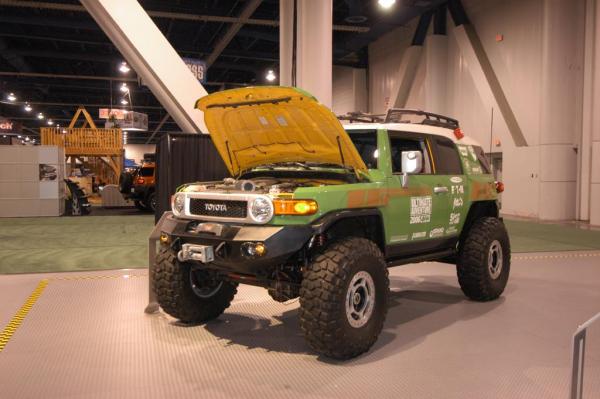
pixel 260 185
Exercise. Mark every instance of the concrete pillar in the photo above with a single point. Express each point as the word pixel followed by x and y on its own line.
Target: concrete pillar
pixel 436 64
pixel 314 48
pixel 286 34
pixel 560 116
pixel 593 138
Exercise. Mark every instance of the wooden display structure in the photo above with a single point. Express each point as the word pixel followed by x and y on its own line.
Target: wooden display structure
pixel 102 147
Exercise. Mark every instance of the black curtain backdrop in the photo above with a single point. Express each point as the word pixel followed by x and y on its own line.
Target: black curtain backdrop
pixel 184 158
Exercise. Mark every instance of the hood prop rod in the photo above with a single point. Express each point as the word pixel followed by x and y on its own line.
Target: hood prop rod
pixel 340 149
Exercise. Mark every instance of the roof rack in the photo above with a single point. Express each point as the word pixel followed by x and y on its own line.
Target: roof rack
pixel 394 115
pixel 361 117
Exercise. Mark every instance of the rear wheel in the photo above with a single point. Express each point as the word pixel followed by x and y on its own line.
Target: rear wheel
pixel 140 205
pixel 150 202
pixel 483 264
pixel 344 298
pixel 189 294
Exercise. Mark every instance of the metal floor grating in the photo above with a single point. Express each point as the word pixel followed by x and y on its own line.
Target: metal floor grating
pixel 87 336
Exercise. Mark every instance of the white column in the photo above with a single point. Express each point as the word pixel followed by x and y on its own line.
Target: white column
pixel 561 115
pixel 286 32
pixel 436 57
pixel 151 55
pixel 314 48
pixel 594 138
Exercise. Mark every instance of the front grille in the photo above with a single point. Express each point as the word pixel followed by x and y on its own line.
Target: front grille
pixel 218 208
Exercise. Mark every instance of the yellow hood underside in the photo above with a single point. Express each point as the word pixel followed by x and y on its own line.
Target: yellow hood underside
pixel 255 126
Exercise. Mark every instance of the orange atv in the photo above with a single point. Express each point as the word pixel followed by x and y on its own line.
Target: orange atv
pixel 139 185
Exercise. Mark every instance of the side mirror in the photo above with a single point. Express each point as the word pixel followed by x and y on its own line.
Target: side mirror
pixel 412 162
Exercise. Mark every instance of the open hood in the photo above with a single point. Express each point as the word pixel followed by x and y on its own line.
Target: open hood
pixel 254 126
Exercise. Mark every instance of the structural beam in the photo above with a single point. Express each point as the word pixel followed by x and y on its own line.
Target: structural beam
pixel 146 49
pixel 481 68
pixel 286 41
pixel 233 29
pixel 170 15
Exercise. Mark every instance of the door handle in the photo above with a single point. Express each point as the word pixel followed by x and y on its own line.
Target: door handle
pixel 440 190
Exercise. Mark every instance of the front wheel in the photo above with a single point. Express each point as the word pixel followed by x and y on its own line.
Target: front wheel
pixel 483 263
pixel 344 298
pixel 189 294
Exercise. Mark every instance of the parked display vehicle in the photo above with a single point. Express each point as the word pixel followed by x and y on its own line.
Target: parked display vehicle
pixel 138 184
pixel 320 212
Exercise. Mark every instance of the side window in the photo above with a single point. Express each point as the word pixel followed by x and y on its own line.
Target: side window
pixel 366 145
pixel 447 161
pixel 400 144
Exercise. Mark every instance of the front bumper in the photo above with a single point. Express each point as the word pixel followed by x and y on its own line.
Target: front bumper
pixel 281 242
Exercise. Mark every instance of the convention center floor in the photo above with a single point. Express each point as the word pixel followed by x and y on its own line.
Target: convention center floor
pixel 85 334
pixel 79 330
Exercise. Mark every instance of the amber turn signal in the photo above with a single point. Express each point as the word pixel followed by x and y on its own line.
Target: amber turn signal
pixel 295 207
pixel 499 187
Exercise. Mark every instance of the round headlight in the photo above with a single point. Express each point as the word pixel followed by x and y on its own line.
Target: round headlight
pixel 178 203
pixel 261 210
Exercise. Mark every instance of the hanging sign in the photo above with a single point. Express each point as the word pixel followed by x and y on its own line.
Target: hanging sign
pixel 106 113
pixel 198 68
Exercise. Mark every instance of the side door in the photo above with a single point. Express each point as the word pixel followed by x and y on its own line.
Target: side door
pixel 413 220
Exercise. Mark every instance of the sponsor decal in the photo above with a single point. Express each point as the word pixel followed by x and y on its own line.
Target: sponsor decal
pixel 463 150
pixel 458 189
pixel 215 207
pixel 420 209
pixel 420 234
pixel 451 230
pixel 454 218
pixel 399 238
pixel 437 232
pixel 456 179
pixel 457 202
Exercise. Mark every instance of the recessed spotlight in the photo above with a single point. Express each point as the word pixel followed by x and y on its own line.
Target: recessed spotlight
pixel 124 88
pixel 270 75
pixel 50 122
pixel 27 107
pixel 11 97
pixel 40 116
pixel 124 101
pixel 18 137
pixel 27 139
pixel 124 68
pixel 387 4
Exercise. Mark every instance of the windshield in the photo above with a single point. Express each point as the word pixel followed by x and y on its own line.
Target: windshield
pixel 365 142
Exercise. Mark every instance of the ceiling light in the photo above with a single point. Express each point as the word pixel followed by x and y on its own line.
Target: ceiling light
pixel 124 68
pixel 124 101
pixel 26 138
pixel 387 4
pixel 270 75
pixel 11 97
pixel 28 107
pixel 50 122
pixel 40 116
pixel 124 88
pixel 18 137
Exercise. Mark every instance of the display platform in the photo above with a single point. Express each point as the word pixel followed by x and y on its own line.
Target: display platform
pixel 86 335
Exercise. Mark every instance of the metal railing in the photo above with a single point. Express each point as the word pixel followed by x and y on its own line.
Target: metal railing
pixel 578 358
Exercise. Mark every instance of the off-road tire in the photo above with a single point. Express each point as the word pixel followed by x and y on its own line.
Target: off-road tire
pixel 474 275
pixel 125 182
pixel 150 202
pixel 323 296
pixel 175 296
pixel 140 205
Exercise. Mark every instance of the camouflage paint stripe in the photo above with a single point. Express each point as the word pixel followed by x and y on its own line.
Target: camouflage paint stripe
pixel 381 196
